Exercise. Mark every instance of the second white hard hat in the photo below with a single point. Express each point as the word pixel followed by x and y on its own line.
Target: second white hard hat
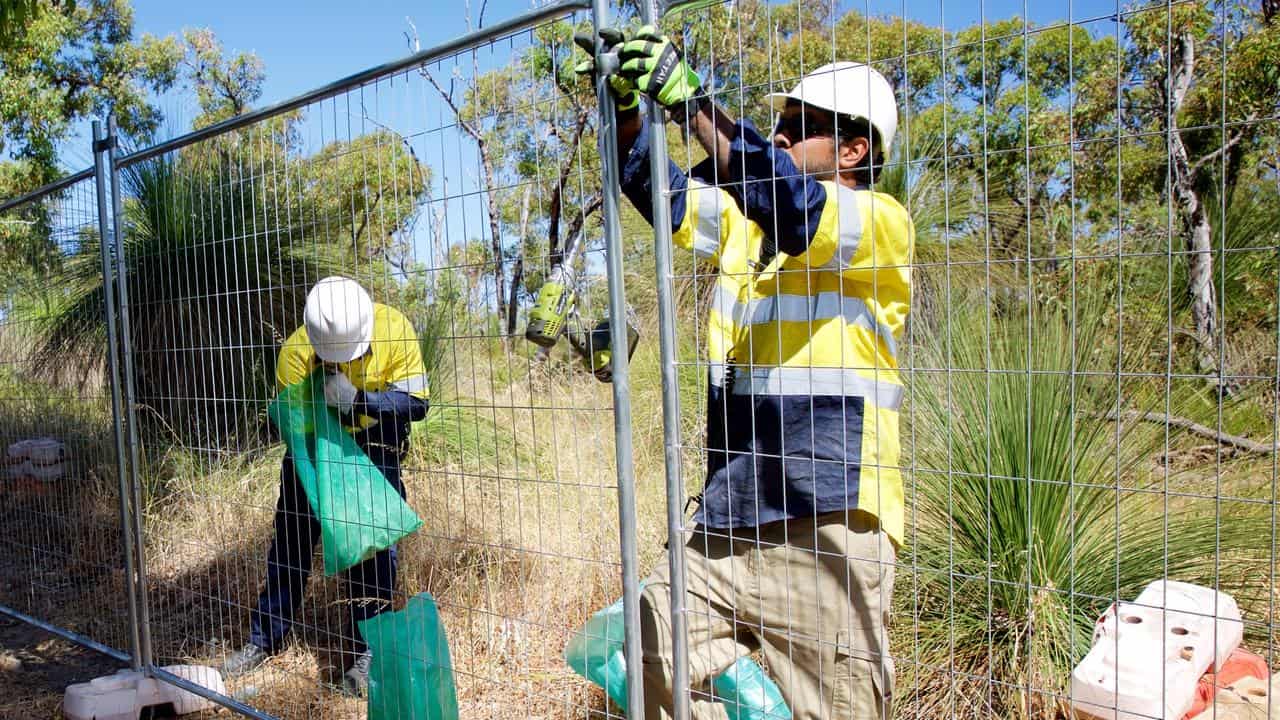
pixel 851 89
pixel 339 319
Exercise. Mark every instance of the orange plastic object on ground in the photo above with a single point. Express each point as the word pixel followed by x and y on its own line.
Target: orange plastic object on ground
pixel 1240 664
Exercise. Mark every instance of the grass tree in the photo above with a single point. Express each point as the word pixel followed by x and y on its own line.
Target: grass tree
pixel 1032 511
pixel 215 284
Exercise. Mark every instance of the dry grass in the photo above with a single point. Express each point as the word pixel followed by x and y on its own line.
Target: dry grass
pixel 514 479
pixel 519 546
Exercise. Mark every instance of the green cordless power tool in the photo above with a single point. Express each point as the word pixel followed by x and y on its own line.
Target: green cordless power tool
pixel 556 313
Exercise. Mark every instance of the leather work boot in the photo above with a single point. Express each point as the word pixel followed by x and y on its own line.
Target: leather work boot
pixel 356 680
pixel 246 659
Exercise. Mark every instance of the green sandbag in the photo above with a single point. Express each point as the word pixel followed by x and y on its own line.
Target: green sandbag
pixel 596 653
pixel 360 513
pixel 411 676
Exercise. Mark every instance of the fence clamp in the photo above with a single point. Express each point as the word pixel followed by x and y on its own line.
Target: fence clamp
pixel 105 144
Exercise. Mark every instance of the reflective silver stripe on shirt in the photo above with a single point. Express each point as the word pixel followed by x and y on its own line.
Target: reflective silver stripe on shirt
pixel 706 228
pixel 415 384
pixel 803 308
pixel 849 232
pixel 816 381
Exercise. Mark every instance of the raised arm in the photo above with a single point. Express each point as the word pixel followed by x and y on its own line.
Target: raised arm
pixel 773 192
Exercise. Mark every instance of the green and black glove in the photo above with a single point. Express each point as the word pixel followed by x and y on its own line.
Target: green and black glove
pixel 652 62
pixel 624 91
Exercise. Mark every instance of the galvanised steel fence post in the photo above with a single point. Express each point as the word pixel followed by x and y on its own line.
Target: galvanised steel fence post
pixel 610 193
pixel 658 160
pixel 130 400
pixel 103 144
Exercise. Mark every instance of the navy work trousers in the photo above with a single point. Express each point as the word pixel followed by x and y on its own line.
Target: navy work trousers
pixel 369 585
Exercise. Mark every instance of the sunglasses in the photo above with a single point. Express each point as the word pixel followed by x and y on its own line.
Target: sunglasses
pixel 798 126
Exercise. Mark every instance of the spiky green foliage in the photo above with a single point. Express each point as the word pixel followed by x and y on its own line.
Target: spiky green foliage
pixel 214 286
pixel 437 327
pixel 1033 511
pixel 953 218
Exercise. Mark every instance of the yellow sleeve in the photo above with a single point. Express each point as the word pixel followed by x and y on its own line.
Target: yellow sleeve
pixel 702 228
pixel 295 360
pixel 862 235
pixel 405 370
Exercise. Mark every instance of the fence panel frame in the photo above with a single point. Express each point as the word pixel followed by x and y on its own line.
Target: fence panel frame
pixel 110 162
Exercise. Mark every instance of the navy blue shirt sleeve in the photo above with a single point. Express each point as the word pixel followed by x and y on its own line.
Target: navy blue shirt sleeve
pixel 391 405
pixel 775 194
pixel 638 186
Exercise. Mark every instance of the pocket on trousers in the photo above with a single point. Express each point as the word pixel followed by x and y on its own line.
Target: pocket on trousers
pixel 863 687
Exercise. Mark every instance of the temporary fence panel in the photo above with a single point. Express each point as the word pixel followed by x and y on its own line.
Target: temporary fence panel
pixel 65 556
pixel 446 187
pixel 449 184
pixel 1060 388
pixel 1064 392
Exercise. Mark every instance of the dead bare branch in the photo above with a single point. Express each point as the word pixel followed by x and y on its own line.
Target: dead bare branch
pixel 1195 428
pixel 1227 146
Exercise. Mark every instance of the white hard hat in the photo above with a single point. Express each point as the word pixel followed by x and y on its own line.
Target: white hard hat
pixel 851 89
pixel 339 319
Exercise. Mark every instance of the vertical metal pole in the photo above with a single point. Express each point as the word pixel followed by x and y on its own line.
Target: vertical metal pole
pixel 101 145
pixel 621 381
pixel 660 182
pixel 130 404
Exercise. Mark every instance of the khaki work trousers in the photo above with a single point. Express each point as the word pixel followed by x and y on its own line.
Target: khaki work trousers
pixel 812 595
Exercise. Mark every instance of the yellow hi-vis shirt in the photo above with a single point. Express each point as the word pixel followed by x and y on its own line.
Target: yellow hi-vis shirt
pixel 393 361
pixel 804 395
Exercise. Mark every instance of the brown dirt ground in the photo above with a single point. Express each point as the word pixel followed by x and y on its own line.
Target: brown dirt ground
pixel 36 667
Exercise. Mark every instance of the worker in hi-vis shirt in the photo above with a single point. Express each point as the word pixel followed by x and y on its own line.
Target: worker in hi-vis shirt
pixel 376 381
pixel 801 513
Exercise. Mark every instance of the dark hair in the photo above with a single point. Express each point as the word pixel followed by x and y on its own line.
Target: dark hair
pixel 855 127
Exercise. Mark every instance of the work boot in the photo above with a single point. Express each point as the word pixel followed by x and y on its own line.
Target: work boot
pixel 248 658
pixel 356 680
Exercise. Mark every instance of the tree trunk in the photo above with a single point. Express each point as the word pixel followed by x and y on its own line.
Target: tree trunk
pixel 490 191
pixel 1200 286
pixel 495 231
pixel 517 274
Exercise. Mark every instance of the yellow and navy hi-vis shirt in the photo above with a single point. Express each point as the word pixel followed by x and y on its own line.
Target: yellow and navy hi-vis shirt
pixel 811 296
pixel 392 364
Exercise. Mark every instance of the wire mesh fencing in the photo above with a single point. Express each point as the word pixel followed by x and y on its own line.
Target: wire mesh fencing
pixel 438 187
pixel 966 343
pixel 448 187
pixel 65 547
pixel 942 456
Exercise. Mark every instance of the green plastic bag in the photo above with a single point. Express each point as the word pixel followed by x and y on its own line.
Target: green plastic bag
pixel 411 676
pixel 360 513
pixel 596 653
pixel 749 694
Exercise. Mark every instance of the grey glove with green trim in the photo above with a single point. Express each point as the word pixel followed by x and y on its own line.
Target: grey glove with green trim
pixel 655 65
pixel 624 91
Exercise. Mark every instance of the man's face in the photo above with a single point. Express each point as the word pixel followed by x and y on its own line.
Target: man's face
pixel 333 367
pixel 807 134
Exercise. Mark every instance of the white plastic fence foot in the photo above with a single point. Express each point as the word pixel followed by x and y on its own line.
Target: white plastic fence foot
pixel 126 694
pixel 1184 628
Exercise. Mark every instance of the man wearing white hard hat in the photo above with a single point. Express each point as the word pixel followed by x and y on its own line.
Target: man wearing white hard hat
pixel 795 536
pixel 375 379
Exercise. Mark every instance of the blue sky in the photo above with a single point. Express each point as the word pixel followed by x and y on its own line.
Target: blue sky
pixel 306 44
